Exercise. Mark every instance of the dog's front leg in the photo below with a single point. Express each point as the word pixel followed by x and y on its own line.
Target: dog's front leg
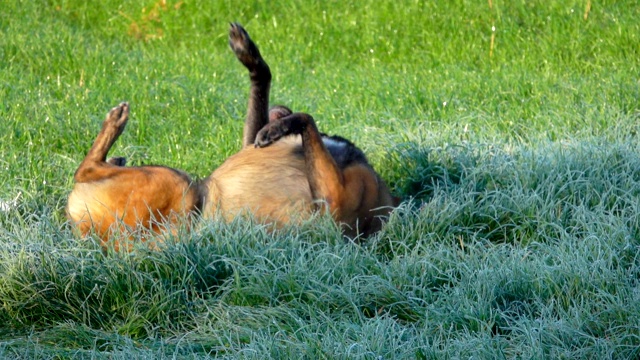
pixel 247 52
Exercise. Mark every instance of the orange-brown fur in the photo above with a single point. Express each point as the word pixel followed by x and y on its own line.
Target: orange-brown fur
pixel 108 198
pixel 286 178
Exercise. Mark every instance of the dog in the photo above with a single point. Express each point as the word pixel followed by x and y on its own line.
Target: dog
pixel 285 171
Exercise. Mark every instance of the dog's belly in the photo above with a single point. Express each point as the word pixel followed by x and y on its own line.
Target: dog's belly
pixel 268 183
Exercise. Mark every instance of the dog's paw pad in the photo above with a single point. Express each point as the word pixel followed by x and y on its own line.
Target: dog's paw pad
pixel 119 114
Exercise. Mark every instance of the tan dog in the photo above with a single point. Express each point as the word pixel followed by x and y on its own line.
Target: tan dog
pixel 275 177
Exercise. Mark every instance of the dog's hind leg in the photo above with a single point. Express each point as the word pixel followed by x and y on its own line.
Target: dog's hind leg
pixel 112 127
pixel 258 109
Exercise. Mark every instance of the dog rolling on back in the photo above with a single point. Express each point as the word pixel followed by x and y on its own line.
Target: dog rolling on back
pixel 275 177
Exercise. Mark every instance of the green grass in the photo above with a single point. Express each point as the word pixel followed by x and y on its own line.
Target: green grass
pixel 519 162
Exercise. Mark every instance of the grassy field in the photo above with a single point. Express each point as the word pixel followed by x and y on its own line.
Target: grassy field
pixel 510 128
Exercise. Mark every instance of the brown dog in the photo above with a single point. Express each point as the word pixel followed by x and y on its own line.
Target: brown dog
pixel 278 180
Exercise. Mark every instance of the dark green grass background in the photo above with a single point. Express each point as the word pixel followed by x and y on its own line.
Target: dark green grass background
pixel 509 127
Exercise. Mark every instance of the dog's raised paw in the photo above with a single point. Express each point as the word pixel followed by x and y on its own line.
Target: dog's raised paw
pixel 263 139
pixel 242 45
pixel 119 115
pixel 270 133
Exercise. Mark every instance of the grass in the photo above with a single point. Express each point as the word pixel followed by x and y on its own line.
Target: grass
pixel 515 148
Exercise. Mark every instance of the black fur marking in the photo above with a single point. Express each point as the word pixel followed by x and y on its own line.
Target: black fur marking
pixel 117 161
pixel 343 151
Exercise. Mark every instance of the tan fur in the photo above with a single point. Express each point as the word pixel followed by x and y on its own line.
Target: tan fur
pixel 269 183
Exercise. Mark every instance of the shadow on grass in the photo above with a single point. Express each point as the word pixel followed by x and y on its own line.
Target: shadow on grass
pixel 415 171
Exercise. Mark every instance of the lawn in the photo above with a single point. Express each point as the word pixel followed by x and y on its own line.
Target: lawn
pixel 510 129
